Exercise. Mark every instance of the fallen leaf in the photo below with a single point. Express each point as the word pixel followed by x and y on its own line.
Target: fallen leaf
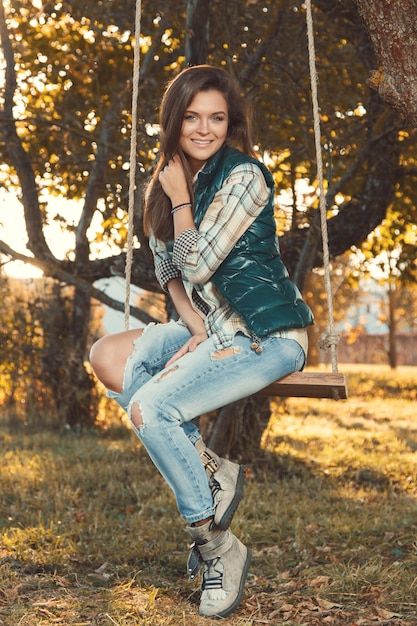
pixel 388 614
pixel 326 605
pixel 388 536
pixel 312 527
pixel 102 569
pixel 51 617
pixel 99 579
pixel 319 580
pixel 12 592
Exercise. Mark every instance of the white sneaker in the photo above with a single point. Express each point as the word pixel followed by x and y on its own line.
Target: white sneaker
pixel 226 480
pixel 226 563
pixel 227 488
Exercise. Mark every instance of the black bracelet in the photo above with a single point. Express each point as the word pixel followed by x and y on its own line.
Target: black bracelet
pixel 180 206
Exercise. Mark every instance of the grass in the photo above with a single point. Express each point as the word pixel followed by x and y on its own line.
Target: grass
pixel 90 534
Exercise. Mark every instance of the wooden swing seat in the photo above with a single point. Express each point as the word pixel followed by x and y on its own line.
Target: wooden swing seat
pixel 309 385
pixel 298 384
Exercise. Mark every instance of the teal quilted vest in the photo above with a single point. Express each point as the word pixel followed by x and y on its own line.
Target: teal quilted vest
pixel 252 279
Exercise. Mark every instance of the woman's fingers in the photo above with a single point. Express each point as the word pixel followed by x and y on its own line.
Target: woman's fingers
pixel 190 346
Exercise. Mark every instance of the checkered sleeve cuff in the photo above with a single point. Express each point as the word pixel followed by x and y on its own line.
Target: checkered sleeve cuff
pixel 182 246
pixel 164 272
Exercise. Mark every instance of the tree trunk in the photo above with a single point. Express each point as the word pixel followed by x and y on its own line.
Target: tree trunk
pixel 236 430
pixel 197 32
pixel 65 337
pixel 392 326
pixel 392 29
pixel 80 408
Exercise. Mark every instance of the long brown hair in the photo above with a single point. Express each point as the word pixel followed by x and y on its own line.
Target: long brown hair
pixel 177 98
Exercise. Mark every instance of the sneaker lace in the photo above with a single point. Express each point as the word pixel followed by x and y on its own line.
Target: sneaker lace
pixel 215 489
pixel 212 585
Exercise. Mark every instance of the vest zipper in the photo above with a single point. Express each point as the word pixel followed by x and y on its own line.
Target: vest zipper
pixel 256 344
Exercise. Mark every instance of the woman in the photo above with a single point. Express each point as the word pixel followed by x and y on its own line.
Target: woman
pixel 210 220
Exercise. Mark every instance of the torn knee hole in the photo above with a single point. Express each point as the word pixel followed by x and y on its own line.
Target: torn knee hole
pixel 226 352
pixel 166 373
pixel 136 415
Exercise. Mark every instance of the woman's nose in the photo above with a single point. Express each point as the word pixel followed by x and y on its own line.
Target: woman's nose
pixel 203 127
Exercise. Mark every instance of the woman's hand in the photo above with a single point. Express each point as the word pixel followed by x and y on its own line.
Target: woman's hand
pixel 173 181
pixel 190 346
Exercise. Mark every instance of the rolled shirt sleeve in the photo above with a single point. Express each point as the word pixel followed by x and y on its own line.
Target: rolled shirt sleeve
pixel 165 270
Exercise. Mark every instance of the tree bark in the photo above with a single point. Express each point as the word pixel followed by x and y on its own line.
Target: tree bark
pixel 65 336
pixel 392 29
pixel 197 32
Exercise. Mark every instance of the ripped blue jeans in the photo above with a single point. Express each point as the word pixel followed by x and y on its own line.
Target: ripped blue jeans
pixel 199 382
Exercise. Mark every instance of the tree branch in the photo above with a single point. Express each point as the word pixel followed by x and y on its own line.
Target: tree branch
pixel 255 61
pixel 18 156
pixel 197 32
pixel 59 274
pixel 94 189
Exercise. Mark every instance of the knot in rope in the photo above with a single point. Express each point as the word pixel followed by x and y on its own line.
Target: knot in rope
pixel 328 339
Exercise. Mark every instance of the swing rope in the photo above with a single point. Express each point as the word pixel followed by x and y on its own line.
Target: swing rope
pixel 132 161
pixel 330 338
pixel 327 340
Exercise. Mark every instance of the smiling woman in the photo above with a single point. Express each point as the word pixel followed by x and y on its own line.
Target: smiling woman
pixel 210 219
pixel 204 128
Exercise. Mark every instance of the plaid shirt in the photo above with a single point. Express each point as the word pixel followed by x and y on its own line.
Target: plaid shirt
pixel 196 254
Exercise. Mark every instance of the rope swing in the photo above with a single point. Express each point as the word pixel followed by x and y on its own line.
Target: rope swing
pixel 132 161
pixel 331 338
pixel 315 384
pixel 298 384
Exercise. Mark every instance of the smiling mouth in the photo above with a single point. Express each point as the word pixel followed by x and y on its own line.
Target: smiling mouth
pixel 201 142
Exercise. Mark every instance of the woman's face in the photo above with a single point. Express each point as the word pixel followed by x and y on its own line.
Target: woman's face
pixel 204 128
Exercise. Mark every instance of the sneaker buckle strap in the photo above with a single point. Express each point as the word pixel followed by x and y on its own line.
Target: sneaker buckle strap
pixel 194 562
pixel 216 547
pixel 209 461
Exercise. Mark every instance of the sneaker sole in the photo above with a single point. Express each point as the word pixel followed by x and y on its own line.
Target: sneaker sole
pixel 239 597
pixel 227 516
